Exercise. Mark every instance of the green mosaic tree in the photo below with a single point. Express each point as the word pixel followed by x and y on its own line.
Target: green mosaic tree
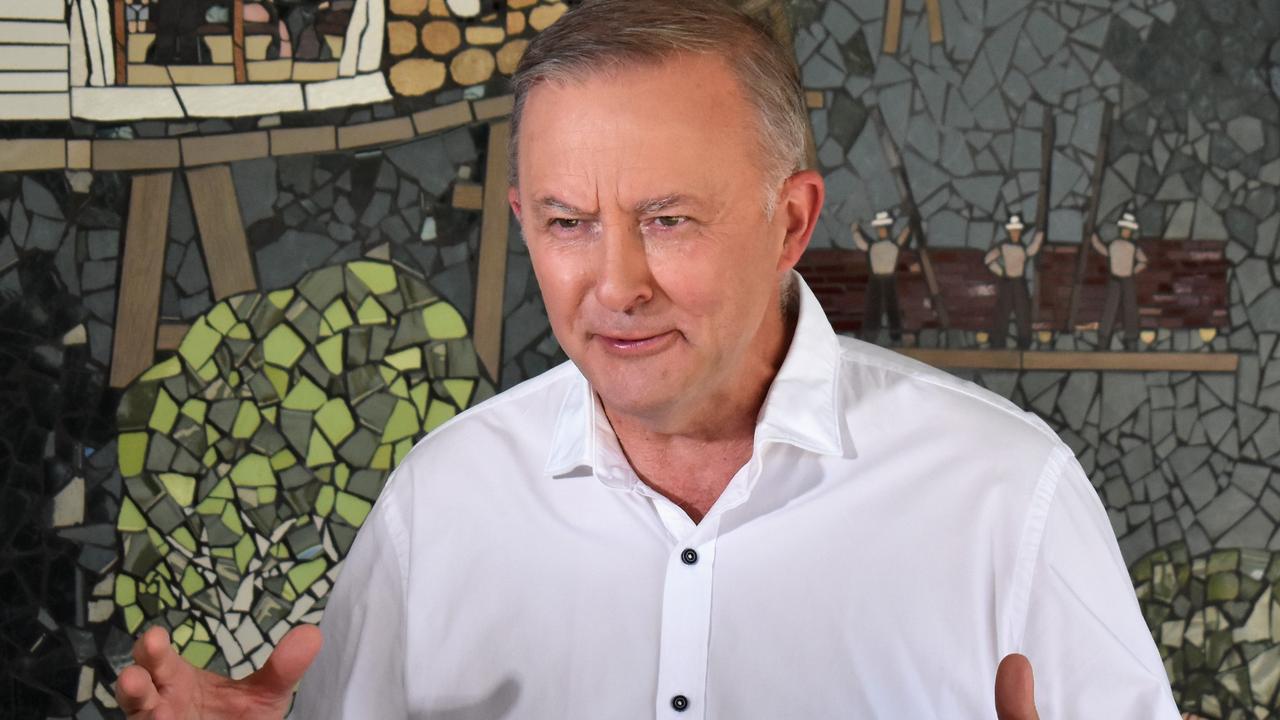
pixel 252 456
pixel 1216 621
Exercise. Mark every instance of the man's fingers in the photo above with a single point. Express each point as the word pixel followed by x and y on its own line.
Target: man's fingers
pixel 292 656
pixel 153 652
pixel 135 691
pixel 1015 689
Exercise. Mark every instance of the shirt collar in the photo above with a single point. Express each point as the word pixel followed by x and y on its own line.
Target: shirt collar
pixel 800 408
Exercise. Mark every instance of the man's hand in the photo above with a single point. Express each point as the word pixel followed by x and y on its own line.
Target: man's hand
pixel 163 686
pixel 1015 689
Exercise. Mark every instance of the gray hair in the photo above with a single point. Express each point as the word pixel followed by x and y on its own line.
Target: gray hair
pixel 603 35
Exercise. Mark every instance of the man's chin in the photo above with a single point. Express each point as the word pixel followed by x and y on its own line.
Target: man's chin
pixel 634 402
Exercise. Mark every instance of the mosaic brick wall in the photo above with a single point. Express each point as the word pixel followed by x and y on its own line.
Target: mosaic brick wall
pixel 218 330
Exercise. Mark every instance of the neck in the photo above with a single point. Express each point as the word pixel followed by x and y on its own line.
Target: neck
pixel 690 456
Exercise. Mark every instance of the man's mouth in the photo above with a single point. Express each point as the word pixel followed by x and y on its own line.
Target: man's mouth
pixel 633 344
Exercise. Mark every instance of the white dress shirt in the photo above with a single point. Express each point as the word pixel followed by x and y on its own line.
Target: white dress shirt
pixel 896 533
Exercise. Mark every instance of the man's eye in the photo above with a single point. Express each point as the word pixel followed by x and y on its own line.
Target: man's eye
pixel 670 221
pixel 566 223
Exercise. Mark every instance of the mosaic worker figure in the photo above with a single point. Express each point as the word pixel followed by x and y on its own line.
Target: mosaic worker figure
pixel 176 23
pixel 718 508
pixel 1008 261
pixel 137 14
pixel 1124 260
pixel 882 286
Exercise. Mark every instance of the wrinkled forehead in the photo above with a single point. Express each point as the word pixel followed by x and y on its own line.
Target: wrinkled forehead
pixel 683 116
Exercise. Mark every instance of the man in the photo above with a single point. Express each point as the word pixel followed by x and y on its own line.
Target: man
pixel 1008 261
pixel 718 509
pixel 882 286
pixel 1124 260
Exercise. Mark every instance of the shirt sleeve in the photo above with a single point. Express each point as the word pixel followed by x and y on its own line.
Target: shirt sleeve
pixel 361 667
pixel 1090 650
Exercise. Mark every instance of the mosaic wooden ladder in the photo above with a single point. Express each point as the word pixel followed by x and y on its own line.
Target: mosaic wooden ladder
pixel 139 334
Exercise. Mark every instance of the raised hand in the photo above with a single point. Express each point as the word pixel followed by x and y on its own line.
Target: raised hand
pixel 163 686
pixel 1015 689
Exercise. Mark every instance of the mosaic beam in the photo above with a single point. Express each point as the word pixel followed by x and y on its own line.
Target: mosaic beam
pixel 226 249
pixel 892 27
pixel 141 275
pixel 1091 216
pixel 491 270
pixel 1048 136
pixel 894 158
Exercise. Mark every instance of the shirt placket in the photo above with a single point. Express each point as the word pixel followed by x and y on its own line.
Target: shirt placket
pixel 686 620
pixel 686 602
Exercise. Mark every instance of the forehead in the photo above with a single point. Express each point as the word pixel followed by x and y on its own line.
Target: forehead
pixel 683 117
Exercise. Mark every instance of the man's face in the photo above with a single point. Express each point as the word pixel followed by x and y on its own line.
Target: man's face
pixel 1125 233
pixel 1015 235
pixel 641 197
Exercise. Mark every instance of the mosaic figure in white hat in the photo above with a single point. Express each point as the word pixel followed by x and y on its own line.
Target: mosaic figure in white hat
pixel 1124 260
pixel 1008 261
pixel 882 287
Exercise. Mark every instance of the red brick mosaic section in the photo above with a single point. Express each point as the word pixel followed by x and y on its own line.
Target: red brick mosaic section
pixel 1185 286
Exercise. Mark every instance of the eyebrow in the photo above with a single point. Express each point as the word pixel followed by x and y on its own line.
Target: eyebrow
pixel 553 203
pixel 644 207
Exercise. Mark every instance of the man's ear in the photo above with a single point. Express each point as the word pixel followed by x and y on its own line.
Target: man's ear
pixel 513 199
pixel 798 209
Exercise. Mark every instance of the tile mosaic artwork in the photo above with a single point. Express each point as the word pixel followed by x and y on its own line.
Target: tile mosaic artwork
pixel 239 279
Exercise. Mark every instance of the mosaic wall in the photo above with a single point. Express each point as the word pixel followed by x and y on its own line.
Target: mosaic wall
pixel 220 326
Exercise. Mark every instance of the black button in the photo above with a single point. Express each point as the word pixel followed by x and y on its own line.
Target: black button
pixel 680 702
pixel 689 556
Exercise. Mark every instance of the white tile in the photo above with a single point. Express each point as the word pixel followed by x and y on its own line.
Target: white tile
pixel 358 90
pixel 33 57
pixel 33 82
pixel 240 100
pixel 84 691
pixel 124 103
pixel 33 33
pixel 34 106
pixel 68 504
pixel 33 9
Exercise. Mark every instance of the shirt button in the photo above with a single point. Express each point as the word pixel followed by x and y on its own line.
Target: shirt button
pixel 689 556
pixel 680 703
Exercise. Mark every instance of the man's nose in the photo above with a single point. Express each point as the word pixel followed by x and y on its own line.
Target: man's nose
pixel 624 280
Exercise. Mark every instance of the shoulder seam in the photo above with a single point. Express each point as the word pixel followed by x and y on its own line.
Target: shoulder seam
pixel 1015 620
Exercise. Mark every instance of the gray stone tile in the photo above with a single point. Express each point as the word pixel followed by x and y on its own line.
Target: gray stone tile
pixel 427 161
pixel 1264 313
pixel 1251 478
pixel 103 244
pixel 455 285
pixel 256 188
pixel 45 233
pixel 285 261
pixel 39 200
pixel 1138 542
pixel 379 206
pixel 1267 438
pixel 1268 231
pixel 1247 132
pixel 1252 531
pixel 98 274
pixel 1076 398
pixel 819 73
pixel 1121 395
pixel 191 277
pixel 1254 276
pixel 839 21
pixel 1138 461
pixel 1224 511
